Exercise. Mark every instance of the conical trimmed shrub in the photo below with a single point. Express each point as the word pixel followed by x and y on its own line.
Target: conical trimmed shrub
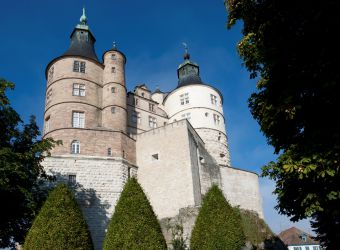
pixel 134 225
pixel 218 226
pixel 59 225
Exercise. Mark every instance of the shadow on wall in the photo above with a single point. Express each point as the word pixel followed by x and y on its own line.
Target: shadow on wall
pixel 94 209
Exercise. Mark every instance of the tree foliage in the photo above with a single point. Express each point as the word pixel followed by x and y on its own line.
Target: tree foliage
pixel 21 173
pixel 134 224
pixel 218 225
pixel 291 47
pixel 257 232
pixel 59 225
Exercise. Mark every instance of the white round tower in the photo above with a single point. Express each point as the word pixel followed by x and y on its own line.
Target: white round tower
pixel 202 105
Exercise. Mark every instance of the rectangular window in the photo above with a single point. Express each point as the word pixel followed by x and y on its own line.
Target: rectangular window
pixel 113 110
pixel 113 70
pixel 136 101
pixel 113 90
pixel 186 116
pixel 184 98
pixel 79 66
pixel 47 124
pixel 307 248
pixel 72 179
pixel 152 122
pixel 78 119
pixel 78 89
pixel 109 152
pixel 113 57
pixel 151 107
pixel 216 119
pixel 213 99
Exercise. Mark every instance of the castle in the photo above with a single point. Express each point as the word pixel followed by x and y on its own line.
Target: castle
pixel 175 143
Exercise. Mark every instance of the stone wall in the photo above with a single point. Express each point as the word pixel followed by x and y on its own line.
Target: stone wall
pixel 99 182
pixel 241 188
pixel 168 180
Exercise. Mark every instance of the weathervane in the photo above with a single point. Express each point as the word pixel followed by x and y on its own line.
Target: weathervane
pixel 114 45
pixel 185 47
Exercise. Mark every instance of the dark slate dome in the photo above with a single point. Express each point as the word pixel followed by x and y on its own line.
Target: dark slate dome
pixel 188 72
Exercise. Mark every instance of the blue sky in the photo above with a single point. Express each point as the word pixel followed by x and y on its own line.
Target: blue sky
pixel 150 34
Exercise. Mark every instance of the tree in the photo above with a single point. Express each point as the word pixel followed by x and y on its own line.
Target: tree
pixel 21 173
pixel 291 47
pixel 134 225
pixel 218 225
pixel 59 225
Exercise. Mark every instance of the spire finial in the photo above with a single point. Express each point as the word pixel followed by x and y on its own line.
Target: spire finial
pixel 83 18
pixel 114 45
pixel 186 54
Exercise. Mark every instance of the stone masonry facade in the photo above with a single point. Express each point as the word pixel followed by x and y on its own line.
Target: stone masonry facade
pixel 174 142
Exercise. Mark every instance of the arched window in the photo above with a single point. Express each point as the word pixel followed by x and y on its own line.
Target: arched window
pixel 75 147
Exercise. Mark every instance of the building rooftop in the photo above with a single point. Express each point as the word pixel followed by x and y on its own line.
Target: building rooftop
pixel 295 236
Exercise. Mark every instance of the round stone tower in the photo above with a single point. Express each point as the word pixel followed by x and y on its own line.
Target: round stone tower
pixel 114 90
pixel 201 104
pixel 73 106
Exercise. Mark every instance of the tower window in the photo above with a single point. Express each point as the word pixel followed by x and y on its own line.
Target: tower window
pixel 113 57
pixel 184 98
pixel 75 147
pixel 151 107
pixel 113 90
pixel 113 70
pixel 152 122
pixel 216 119
pixel 113 110
pixel 48 95
pixel 213 99
pixel 72 179
pixel 47 124
pixel 79 66
pixel 78 89
pixel 109 151
pixel 78 119
pixel 50 73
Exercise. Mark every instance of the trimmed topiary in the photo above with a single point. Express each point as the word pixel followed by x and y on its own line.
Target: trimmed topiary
pixel 134 225
pixel 59 225
pixel 218 225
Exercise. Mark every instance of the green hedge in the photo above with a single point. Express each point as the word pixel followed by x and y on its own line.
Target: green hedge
pixel 59 225
pixel 134 224
pixel 218 225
